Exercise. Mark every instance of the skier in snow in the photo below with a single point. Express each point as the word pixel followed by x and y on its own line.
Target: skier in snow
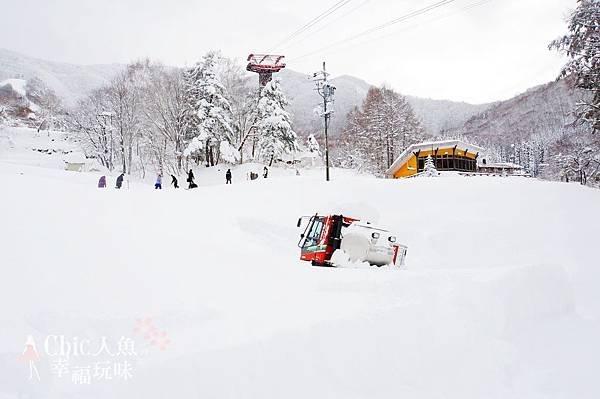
pixel 265 172
pixel 228 177
pixel 120 180
pixel 158 184
pixel 190 179
pixel 174 181
pixel 102 182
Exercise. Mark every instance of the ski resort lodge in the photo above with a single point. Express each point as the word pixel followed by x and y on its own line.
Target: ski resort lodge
pixel 448 155
pixel 501 168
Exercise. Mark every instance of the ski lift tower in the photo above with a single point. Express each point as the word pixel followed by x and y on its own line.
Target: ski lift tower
pixel 265 65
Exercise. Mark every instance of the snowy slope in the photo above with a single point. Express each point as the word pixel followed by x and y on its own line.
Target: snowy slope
pixel 436 115
pixel 72 82
pixel 69 82
pixel 439 116
pixel 23 146
pixel 544 112
pixel 499 298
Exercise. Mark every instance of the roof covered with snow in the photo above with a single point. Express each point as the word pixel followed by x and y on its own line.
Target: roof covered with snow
pixel 428 145
pixel 17 85
pixel 75 157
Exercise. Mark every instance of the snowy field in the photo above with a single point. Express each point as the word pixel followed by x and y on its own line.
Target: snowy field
pixel 499 297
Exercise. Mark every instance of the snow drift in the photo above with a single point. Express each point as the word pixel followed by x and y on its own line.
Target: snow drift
pixel 499 297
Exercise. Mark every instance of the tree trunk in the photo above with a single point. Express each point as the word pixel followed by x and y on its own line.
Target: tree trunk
pixel 123 156
pixel 178 155
pixel 207 151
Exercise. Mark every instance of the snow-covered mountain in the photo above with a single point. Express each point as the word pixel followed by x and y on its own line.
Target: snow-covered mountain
pixel 439 116
pixel 69 82
pixel 541 112
pixel 304 100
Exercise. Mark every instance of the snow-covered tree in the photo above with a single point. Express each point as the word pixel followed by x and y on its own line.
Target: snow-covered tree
pixel 162 108
pixel 240 94
pixel 135 121
pixel 429 170
pixel 3 115
pixel 91 125
pixel 274 123
pixel 208 112
pixel 577 159
pixel 228 153
pixel 50 112
pixel 313 144
pixel 582 46
pixel 381 129
pixel 108 122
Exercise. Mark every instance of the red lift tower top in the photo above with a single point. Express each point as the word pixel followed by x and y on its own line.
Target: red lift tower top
pixel 265 65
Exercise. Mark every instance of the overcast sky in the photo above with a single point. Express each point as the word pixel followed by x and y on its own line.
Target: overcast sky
pixel 486 53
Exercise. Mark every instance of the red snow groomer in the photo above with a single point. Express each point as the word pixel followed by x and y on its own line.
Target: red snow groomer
pixel 336 240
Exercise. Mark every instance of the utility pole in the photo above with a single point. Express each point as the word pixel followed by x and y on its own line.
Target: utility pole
pixel 326 90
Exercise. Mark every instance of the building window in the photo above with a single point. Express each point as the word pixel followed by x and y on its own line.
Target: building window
pixel 449 162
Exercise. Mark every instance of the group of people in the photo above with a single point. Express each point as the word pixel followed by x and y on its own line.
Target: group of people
pixel 119 184
pixel 174 182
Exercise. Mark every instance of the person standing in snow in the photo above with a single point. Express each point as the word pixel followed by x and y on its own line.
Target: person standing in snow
pixel 265 172
pixel 120 180
pixel 102 182
pixel 228 177
pixel 158 184
pixel 174 181
pixel 190 179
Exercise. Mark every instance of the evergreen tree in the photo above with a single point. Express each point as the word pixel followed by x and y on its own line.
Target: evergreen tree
pixel 582 46
pixel 429 169
pixel 274 123
pixel 208 112
pixel 313 144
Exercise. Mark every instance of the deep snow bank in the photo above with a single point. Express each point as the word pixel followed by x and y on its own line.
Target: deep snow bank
pixel 499 298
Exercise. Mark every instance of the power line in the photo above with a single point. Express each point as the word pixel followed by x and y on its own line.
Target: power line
pixel 314 32
pixel 385 25
pixel 438 18
pixel 313 22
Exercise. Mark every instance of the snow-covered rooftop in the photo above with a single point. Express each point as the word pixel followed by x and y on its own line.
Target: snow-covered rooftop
pixel 18 85
pixel 406 154
pixel 75 157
